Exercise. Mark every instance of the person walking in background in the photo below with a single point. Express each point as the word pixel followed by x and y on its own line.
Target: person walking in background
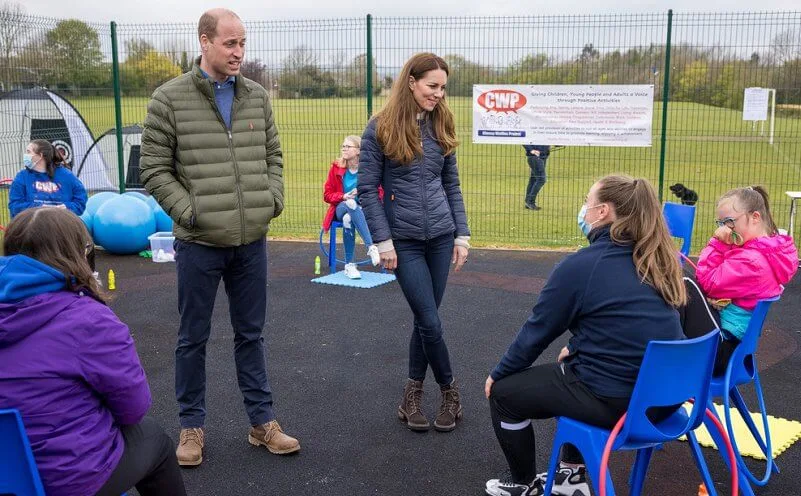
pixel 44 182
pixel 409 149
pixel 536 155
pixel 342 197
pixel 212 159
pixel 70 367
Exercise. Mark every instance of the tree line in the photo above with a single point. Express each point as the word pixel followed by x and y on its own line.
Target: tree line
pixel 69 57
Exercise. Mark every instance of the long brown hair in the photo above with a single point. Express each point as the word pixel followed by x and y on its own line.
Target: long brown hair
pixel 48 153
pixel 396 123
pixel 640 222
pixel 753 199
pixel 58 238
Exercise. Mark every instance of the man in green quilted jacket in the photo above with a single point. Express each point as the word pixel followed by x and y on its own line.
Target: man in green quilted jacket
pixel 212 159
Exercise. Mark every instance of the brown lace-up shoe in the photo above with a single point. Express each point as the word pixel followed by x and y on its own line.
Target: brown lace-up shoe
pixel 273 438
pixel 190 447
pixel 450 410
pixel 410 409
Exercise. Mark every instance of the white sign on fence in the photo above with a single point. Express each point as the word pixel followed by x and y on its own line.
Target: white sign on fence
pixel 594 115
pixel 755 104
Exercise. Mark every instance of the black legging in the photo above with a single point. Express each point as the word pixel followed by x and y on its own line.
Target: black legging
pixel 699 318
pixel 148 462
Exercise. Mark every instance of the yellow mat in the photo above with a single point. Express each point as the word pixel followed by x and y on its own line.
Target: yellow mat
pixel 783 433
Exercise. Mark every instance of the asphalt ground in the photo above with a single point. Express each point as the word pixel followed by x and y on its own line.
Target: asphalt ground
pixel 337 361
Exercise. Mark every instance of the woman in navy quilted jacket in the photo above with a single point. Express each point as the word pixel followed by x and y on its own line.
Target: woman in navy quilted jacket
pixel 409 149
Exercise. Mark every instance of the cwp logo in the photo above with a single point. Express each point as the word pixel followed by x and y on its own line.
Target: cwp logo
pixel 502 100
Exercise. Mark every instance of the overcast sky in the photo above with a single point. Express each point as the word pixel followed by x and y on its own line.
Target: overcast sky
pixel 160 11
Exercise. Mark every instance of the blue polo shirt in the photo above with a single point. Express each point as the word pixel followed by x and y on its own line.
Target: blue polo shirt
pixel 224 96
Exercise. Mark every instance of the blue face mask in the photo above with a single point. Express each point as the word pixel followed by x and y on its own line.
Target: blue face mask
pixel 27 161
pixel 585 226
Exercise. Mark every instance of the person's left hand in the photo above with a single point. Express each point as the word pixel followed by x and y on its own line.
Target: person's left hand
pixel 563 354
pixel 488 386
pixel 459 257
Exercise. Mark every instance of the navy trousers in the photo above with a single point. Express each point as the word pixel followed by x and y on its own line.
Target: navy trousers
pixel 243 270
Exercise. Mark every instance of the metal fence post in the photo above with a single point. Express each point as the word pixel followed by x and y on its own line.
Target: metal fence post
pixel 369 66
pixel 665 91
pixel 115 65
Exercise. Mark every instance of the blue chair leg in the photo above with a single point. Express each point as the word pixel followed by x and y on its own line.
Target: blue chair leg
pixel 745 485
pixel 640 469
pixel 739 402
pixel 700 462
pixel 332 250
pixel 591 447
pixel 555 452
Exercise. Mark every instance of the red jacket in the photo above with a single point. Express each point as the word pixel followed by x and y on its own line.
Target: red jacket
pixel 333 191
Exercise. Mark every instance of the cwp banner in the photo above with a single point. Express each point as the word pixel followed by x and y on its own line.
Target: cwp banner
pixel 588 115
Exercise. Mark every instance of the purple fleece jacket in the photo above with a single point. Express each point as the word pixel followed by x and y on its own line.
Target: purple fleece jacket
pixel 70 367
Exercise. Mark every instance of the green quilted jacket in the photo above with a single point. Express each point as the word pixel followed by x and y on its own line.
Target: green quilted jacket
pixel 221 188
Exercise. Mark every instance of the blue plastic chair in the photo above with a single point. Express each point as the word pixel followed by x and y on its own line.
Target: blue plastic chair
pixel 689 365
pixel 741 370
pixel 331 253
pixel 332 245
pixel 18 472
pixel 680 220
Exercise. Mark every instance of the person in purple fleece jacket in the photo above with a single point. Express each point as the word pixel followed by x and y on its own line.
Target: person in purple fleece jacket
pixel 71 369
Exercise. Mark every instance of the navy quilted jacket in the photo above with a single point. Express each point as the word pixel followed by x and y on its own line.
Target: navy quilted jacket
pixel 422 200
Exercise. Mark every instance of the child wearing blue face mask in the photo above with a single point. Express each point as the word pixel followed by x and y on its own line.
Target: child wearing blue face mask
pixel 614 296
pixel 43 183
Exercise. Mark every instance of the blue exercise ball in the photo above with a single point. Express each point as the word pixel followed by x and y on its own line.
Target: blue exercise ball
pixel 122 225
pixel 163 221
pixel 137 194
pixel 98 199
pixel 87 219
pixel 151 201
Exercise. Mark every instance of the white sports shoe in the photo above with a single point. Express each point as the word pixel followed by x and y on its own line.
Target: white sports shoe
pixel 375 257
pixel 352 272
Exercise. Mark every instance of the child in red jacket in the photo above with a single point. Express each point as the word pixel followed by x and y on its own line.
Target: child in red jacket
pixel 340 193
pixel 746 260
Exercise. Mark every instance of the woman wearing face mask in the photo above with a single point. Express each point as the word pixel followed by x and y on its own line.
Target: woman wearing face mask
pixel 43 183
pixel 340 193
pixel 614 296
pixel 409 148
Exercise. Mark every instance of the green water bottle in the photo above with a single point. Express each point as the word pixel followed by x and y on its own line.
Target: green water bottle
pixel 317 265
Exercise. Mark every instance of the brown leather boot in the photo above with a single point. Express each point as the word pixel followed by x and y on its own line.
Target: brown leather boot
pixel 190 447
pixel 450 410
pixel 410 409
pixel 273 438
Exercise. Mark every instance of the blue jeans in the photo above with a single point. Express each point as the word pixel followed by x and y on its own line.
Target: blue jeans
pixel 422 273
pixel 243 270
pixel 536 180
pixel 349 235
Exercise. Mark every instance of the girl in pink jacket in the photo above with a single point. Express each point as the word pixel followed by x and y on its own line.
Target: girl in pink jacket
pixel 746 260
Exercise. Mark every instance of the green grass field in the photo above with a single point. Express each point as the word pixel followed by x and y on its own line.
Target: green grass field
pixel 709 149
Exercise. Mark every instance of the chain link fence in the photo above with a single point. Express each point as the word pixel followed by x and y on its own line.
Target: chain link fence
pixel 326 77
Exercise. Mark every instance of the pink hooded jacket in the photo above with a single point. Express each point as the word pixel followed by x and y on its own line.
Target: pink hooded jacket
pixel 746 274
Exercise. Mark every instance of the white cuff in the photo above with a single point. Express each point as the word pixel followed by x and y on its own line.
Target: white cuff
pixel 385 246
pixel 462 241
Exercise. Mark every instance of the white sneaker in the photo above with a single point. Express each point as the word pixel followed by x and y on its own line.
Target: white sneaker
pixel 375 257
pixel 346 221
pixel 568 481
pixel 352 272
